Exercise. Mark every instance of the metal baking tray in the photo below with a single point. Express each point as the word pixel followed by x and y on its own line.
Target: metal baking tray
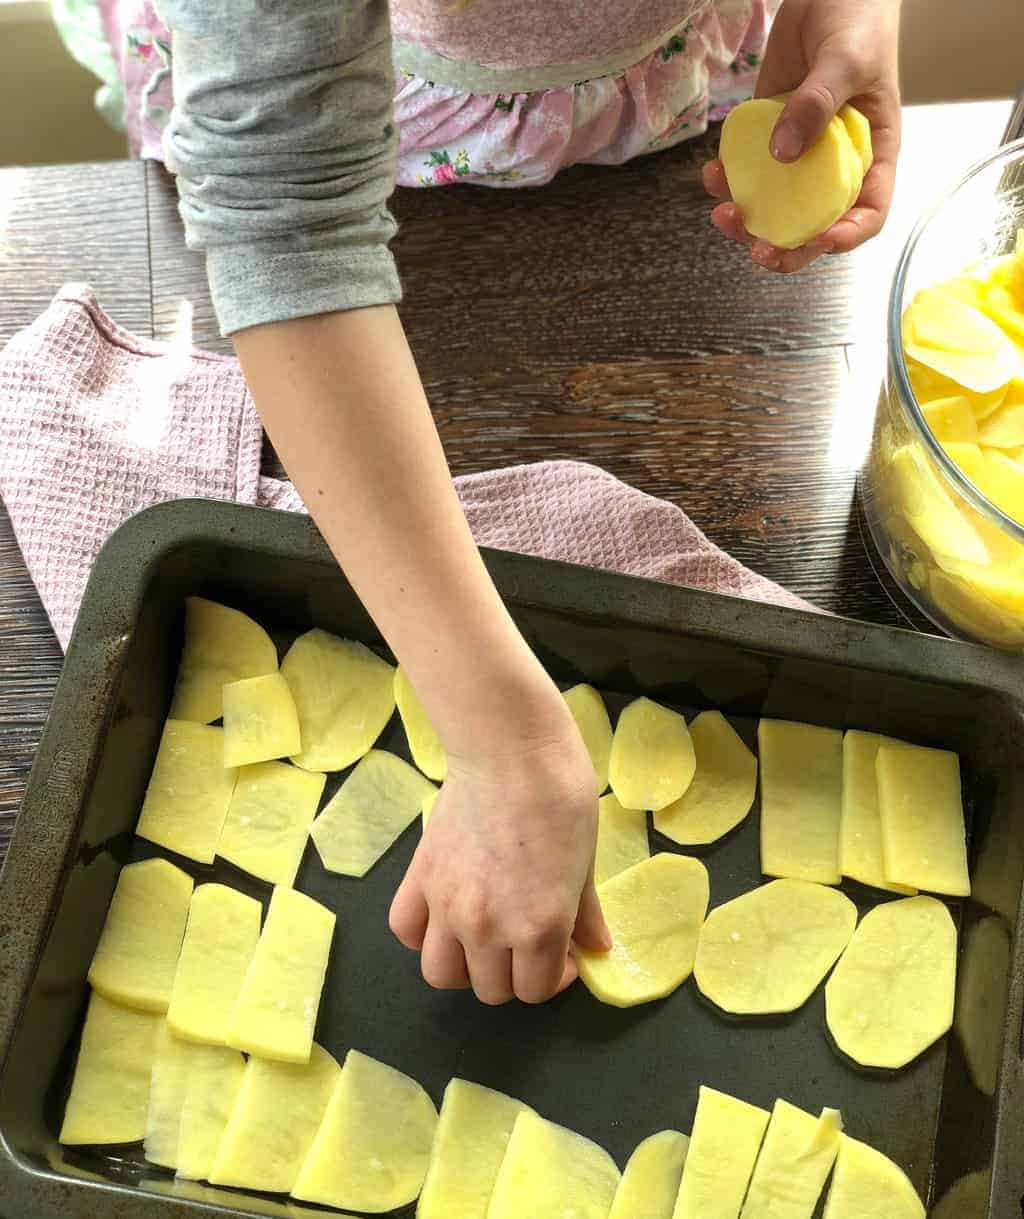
pixel 615 1075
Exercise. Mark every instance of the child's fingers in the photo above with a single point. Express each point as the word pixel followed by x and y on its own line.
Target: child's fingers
pixel 409 914
pixel 715 181
pixel 490 972
pixel 830 84
pixel 443 961
pixel 538 974
pixel 727 218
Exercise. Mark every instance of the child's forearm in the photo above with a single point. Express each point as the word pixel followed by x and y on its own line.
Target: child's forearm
pixel 341 399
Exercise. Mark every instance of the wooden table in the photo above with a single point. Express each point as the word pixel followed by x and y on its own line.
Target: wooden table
pixel 597 319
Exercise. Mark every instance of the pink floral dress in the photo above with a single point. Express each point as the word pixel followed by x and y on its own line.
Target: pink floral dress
pixel 508 92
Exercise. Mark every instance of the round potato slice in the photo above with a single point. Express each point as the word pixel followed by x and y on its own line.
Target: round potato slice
pixel 866 1183
pixel 591 716
pixel 650 1183
pixel 891 995
pixel 652 760
pixel 768 950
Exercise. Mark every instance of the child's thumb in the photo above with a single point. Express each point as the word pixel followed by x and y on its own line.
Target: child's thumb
pixel 811 108
pixel 591 931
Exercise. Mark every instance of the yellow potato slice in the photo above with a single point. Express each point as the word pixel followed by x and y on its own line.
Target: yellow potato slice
pixel 891 995
pixel 726 1138
pixel 654 911
pixel 928 385
pixel 273 1122
pixel 924 843
pixel 275 1014
pixel 137 955
pixel 373 1146
pixel 859 130
pixel 868 1185
pixel 787 204
pixel 650 1183
pixel 591 716
pixel 652 760
pixel 427 808
pixel 110 1091
pixel 1003 309
pixel 1002 482
pixel 975 606
pixel 272 807
pixel 723 787
pixel 189 791
pixel 472 1134
pixel 953 419
pixel 768 950
pixel 621 838
pixel 344 695
pixel 260 721
pixel 172 1066
pixel 860 830
pixel 796 1157
pixel 220 939
pixel 550 1172
pixel 213 1085
pixel 379 800
pixel 958 341
pixel 980 1018
pixel 424 743
pixel 1003 429
pixel 801 800
pixel 221 645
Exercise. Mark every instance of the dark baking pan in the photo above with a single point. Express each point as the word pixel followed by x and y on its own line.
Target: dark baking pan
pixel 616 1076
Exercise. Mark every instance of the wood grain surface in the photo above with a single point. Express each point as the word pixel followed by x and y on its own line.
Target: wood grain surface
pixel 597 319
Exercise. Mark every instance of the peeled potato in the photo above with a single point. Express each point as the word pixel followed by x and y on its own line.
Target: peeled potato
pixel 551 1173
pixel 652 760
pixel 981 1003
pixel 260 721
pixel 137 956
pixel 344 695
pixel 221 645
pixel 860 831
pixel 891 995
pixel 867 1185
pixel 726 1138
pixel 424 743
pixel 621 839
pixel 723 786
pixel 768 950
pixel 172 1065
pixel 796 1157
pixel 373 1146
pixel 650 1183
pixel 472 1135
pixel 654 911
pixel 378 801
pixel 591 716
pixel 213 1085
pixel 953 419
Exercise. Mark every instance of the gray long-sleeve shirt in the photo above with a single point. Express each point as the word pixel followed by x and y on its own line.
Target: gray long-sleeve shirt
pixel 284 146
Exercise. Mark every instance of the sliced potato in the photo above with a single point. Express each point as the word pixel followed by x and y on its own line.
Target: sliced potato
pixel 373 1146
pixel 136 958
pixel 650 1184
pixel 860 830
pixel 726 1138
pixel 924 841
pixel 867 1185
pixel 344 695
pixel 953 419
pixel 273 1122
pixel 213 1085
pixel 929 385
pixel 260 721
pixel 768 950
pixel 427 808
pixel 172 1066
pixel 967 1198
pixel 621 838
pixel 220 939
pixel 891 995
pixel 652 761
pixel 378 801
pixel 472 1134
pixel 275 1013
pixel 424 743
pixel 591 716
pixel 271 810
pixel 980 1018
pixel 801 800
pixel 189 791
pixel 1001 480
pixel 958 341
pixel 723 787
pixel 654 911
pixel 796 1157
pixel 110 1091
pixel 1004 429
pixel 929 509
pixel 221 645
pixel 550 1172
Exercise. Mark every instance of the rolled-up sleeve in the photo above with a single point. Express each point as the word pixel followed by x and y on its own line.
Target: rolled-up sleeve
pixel 283 143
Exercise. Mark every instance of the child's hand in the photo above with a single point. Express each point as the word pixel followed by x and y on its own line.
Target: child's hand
pixel 503 877
pixel 828 52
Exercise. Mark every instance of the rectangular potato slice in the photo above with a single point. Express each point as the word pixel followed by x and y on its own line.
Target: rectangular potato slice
pixel 621 838
pixel 275 1117
pixel 860 830
pixel 137 956
pixel 220 939
pixel 726 1138
pixel 260 721
pixel 924 841
pixel 110 1090
pixel 271 810
pixel 796 1157
pixel 213 1085
pixel 650 1184
pixel 172 1067
pixel 189 791
pixel 275 1014
pixel 801 800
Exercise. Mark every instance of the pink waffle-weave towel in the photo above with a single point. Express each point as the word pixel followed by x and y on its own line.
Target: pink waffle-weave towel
pixel 96 424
